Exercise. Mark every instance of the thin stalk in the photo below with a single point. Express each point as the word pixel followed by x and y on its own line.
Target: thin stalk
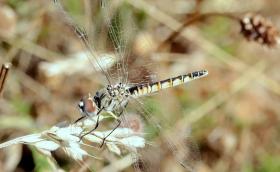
pixel 3 75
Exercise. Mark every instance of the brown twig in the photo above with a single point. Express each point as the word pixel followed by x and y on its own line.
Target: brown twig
pixel 3 75
pixel 196 17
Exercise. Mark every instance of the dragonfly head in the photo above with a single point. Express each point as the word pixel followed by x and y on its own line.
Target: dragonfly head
pixel 89 105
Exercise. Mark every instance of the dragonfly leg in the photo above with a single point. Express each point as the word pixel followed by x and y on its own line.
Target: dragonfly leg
pixel 95 127
pixel 96 124
pixel 103 140
pixel 119 123
pixel 79 119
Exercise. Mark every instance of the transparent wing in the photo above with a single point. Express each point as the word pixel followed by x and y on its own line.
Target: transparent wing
pixel 95 58
pixel 115 18
pixel 123 30
pixel 164 141
pixel 174 141
pixel 110 38
pixel 114 33
pixel 134 69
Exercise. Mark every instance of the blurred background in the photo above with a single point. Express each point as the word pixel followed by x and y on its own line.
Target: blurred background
pixel 229 120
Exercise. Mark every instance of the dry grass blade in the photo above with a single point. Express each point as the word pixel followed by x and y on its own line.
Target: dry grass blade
pixel 226 122
pixel 3 75
pixel 193 34
pixel 221 97
pixel 194 18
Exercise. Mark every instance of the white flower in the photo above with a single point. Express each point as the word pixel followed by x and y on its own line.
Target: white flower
pixel 133 142
pixel 47 145
pixel 70 133
pixel 113 148
pixel 75 151
pixel 69 139
pixel 121 136
pixel 123 132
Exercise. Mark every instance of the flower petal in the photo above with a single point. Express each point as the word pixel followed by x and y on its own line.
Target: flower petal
pixel 47 145
pixel 75 151
pixel 113 148
pixel 69 133
pixel 92 138
pixel 122 132
pixel 133 141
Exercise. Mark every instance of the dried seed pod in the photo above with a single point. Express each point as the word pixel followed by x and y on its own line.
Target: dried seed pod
pixel 257 28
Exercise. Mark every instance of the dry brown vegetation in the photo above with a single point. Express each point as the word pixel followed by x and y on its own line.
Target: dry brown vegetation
pixel 233 113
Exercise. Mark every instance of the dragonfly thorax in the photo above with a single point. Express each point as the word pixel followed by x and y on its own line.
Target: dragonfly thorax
pixel 109 99
pixel 116 97
pixel 117 91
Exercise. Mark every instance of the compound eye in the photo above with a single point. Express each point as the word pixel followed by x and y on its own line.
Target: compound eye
pixel 81 105
pixel 97 100
pixel 90 106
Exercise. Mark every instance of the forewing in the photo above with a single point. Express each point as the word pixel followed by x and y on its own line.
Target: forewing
pixel 100 61
pixel 116 18
pixel 124 31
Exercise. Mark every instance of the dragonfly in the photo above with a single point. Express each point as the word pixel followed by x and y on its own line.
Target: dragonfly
pixel 118 95
pixel 114 97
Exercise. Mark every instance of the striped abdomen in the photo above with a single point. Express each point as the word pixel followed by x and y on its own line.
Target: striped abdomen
pixel 144 89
